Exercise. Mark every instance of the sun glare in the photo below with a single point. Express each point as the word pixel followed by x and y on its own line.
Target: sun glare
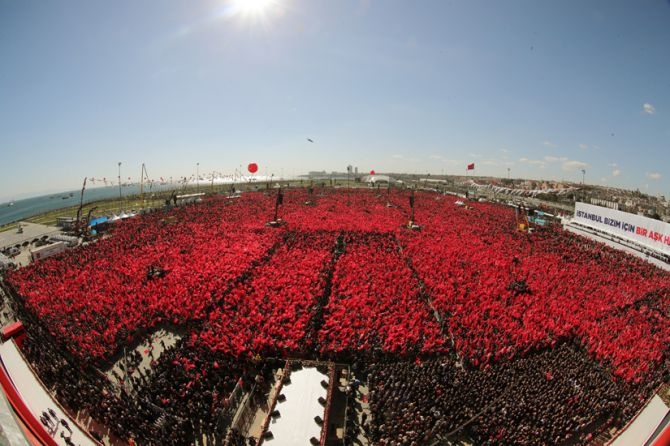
pixel 253 7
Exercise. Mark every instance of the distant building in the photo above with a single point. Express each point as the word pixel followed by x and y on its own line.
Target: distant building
pixel 605 203
pixel 378 179
pixel 67 223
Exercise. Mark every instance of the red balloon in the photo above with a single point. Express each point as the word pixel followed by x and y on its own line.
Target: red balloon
pixel 252 167
pixel 372 172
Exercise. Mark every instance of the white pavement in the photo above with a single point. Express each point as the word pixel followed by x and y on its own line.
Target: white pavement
pixel 36 396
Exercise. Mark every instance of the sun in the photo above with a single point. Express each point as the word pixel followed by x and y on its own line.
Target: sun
pixel 253 7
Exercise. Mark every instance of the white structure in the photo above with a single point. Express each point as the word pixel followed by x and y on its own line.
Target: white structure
pixel 381 179
pixel 47 251
pixel 295 424
pixel 646 232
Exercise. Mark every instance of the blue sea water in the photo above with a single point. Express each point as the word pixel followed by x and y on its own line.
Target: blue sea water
pixel 29 207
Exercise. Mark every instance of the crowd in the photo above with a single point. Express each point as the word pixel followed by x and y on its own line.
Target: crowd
pixel 345 279
pixel 502 292
pixel 376 303
pixel 98 297
pixel 349 210
pixel 555 396
pixel 183 397
pixel 269 312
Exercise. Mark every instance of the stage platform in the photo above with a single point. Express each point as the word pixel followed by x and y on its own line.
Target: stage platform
pixel 295 424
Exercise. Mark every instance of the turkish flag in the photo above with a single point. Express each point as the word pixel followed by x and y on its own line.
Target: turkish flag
pixel 471 166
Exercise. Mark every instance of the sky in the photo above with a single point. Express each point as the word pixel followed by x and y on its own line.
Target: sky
pixel 527 88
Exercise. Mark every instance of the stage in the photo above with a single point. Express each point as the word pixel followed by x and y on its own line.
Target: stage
pixel 295 424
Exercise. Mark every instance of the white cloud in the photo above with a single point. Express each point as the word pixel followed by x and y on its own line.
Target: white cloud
pixel 654 175
pixel 549 144
pixel 537 163
pixel 572 165
pixel 616 172
pixel 504 150
pixel 648 108
pixel 553 159
pixel 397 157
pixel 583 146
pixel 496 162
pixel 452 162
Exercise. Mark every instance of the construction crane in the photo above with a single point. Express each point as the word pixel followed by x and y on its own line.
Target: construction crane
pixel 78 223
pixel 144 175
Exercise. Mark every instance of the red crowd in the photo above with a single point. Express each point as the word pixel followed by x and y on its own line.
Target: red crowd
pixel 345 275
pixel 505 292
pixel 376 303
pixel 155 269
pixel 269 313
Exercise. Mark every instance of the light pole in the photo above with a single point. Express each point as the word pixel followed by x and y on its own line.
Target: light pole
pixel 508 169
pixel 119 180
pixel 197 177
pixel 583 175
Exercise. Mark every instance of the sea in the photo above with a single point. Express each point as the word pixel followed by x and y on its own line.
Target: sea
pixel 17 210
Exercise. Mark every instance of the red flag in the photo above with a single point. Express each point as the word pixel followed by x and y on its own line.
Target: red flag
pixel 471 166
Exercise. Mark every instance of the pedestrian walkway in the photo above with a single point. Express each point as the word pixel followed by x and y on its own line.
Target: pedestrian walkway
pixel 130 369
pixel 360 393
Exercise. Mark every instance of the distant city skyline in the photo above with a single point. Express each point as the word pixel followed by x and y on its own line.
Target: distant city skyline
pixel 545 89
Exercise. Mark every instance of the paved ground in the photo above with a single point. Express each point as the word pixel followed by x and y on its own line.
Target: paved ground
pixel 30 231
pixel 262 411
pixel 149 350
pixel 362 408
